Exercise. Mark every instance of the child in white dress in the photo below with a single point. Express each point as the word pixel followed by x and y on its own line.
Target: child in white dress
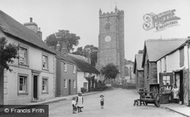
pixel 79 101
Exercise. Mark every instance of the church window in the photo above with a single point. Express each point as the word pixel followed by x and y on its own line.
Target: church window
pixel 107 27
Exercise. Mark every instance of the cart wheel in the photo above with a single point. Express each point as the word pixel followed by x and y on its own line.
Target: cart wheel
pixel 157 100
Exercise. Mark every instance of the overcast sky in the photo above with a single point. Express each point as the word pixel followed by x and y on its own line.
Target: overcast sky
pixel 81 17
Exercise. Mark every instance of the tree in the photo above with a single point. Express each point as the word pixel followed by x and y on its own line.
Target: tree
pixel 79 51
pixel 89 51
pixel 110 71
pixel 7 53
pixel 63 36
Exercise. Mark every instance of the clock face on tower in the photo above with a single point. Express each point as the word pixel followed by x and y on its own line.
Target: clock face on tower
pixel 108 38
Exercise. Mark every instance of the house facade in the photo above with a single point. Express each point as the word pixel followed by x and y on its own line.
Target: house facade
pixel 33 73
pixel 153 50
pixel 129 75
pixel 87 75
pixel 66 76
pixel 138 71
pixel 173 68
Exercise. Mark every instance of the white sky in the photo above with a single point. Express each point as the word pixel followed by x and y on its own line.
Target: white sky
pixel 81 17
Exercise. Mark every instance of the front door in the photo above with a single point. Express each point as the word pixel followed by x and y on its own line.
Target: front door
pixel 35 87
pixel 179 83
pixel 69 87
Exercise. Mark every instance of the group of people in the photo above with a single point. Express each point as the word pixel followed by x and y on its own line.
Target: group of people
pixel 174 91
pixel 77 103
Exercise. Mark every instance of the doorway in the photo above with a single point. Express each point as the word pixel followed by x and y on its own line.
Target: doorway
pixel 35 87
pixel 69 87
pixel 179 83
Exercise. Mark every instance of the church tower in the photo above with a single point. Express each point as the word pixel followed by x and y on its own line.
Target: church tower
pixel 111 40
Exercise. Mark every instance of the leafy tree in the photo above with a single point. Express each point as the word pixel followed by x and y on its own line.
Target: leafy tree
pixel 88 51
pixel 110 71
pixel 63 36
pixel 79 51
pixel 7 53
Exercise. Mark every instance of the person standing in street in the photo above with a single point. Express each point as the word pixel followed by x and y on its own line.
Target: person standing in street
pixel 79 102
pixel 102 101
pixel 175 91
pixel 74 105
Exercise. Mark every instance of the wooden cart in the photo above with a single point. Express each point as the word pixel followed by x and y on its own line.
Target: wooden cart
pixel 150 97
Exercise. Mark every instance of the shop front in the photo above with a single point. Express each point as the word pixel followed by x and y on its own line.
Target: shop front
pixel 166 81
pixel 171 87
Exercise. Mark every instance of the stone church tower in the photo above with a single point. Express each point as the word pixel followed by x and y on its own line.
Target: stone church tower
pixel 111 40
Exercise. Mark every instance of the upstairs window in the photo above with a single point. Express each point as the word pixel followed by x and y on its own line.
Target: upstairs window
pixel 74 83
pixel 45 62
pixel 74 69
pixel 23 56
pixel 65 67
pixel 181 51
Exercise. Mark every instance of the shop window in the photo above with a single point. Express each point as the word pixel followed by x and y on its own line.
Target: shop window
pixel 166 79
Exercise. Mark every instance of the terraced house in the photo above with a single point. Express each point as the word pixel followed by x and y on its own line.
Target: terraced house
pixel 138 71
pixel 33 75
pixel 87 75
pixel 153 50
pixel 66 75
pixel 173 68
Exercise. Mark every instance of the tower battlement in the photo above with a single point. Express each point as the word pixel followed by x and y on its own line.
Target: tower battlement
pixel 108 14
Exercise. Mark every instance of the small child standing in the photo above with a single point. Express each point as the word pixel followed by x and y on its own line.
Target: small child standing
pixel 74 105
pixel 102 101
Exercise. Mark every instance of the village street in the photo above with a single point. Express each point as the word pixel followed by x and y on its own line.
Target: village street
pixel 118 103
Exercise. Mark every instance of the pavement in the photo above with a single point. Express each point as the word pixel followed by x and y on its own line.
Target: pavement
pixel 178 108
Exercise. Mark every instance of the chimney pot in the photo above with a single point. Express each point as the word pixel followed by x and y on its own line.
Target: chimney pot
pixel 30 19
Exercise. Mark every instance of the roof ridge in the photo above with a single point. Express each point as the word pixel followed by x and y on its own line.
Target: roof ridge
pixel 166 39
pixel 14 28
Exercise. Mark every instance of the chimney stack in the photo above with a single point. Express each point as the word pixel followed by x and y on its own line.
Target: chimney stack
pixel 39 33
pixel 64 48
pixel 58 46
pixel 34 27
pixel 31 19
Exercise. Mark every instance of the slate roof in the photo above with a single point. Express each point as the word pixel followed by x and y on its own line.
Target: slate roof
pixel 138 62
pixel 10 26
pixel 160 47
pixel 182 45
pixel 82 64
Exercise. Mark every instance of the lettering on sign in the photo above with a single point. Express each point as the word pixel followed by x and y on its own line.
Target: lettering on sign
pixel 160 21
